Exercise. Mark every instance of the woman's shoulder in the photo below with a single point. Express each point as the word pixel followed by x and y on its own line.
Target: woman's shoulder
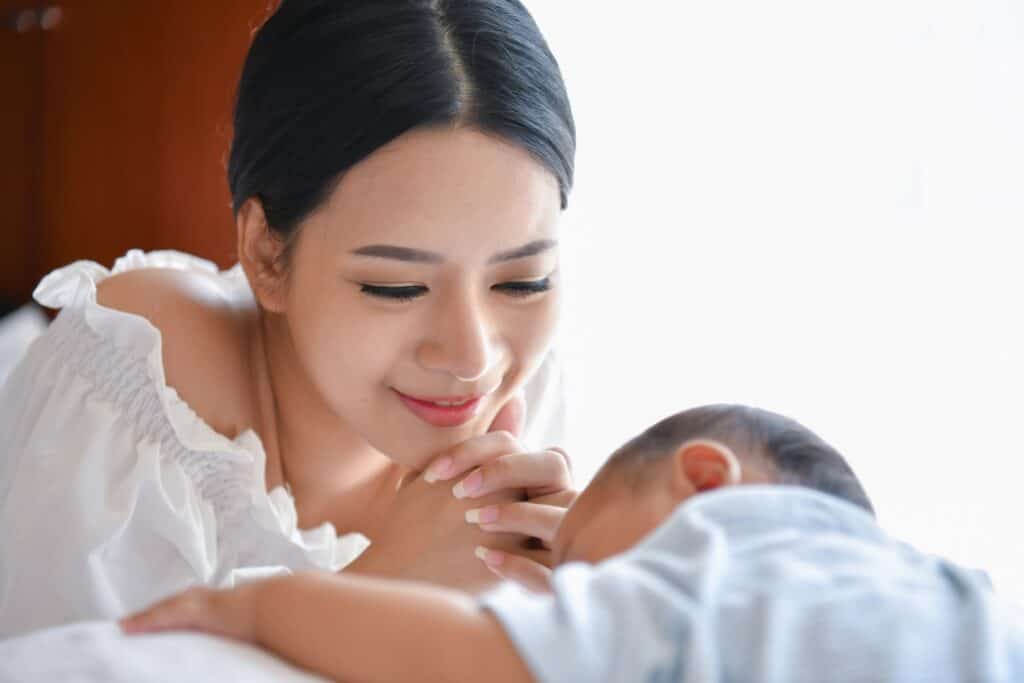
pixel 133 487
pixel 205 322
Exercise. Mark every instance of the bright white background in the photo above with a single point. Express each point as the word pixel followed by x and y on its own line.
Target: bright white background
pixel 815 207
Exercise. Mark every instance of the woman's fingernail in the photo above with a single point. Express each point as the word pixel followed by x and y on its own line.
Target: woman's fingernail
pixel 482 515
pixel 438 470
pixel 492 558
pixel 469 485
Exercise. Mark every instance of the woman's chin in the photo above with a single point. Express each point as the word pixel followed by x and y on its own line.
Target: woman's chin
pixel 417 447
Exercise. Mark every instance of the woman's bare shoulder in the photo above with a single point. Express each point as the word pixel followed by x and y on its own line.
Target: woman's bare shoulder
pixel 205 327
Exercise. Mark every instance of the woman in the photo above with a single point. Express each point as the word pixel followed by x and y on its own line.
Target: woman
pixel 397 172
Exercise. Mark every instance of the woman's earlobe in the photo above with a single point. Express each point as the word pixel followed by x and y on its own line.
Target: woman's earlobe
pixel 260 251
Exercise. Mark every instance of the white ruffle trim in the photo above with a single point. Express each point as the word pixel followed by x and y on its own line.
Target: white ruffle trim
pixel 120 354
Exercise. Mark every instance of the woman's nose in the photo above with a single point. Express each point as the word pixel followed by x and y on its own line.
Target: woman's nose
pixel 461 342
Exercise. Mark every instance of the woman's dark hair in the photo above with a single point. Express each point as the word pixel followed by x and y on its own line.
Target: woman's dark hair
pixel 799 456
pixel 328 82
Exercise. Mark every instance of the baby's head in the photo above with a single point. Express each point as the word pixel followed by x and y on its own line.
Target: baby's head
pixel 693 452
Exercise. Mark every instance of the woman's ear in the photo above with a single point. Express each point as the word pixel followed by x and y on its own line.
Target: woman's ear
pixel 704 465
pixel 260 252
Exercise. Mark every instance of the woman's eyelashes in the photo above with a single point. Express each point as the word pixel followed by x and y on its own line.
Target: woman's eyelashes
pixel 524 288
pixel 518 289
pixel 394 292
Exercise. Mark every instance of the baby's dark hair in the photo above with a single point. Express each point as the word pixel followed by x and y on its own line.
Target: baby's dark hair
pixel 795 454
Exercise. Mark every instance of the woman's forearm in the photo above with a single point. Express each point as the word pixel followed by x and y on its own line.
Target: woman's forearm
pixel 365 629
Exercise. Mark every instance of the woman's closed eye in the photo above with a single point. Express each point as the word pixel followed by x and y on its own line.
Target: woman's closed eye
pixel 394 292
pixel 519 289
pixel 523 288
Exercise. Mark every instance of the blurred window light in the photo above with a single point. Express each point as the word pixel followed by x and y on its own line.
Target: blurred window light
pixel 815 207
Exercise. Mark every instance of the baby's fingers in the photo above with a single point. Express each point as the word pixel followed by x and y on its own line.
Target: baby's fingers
pixel 529 519
pixel 533 575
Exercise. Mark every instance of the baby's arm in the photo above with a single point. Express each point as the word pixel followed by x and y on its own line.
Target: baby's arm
pixel 351 627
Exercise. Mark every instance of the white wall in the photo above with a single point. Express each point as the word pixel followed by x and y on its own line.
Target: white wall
pixel 814 207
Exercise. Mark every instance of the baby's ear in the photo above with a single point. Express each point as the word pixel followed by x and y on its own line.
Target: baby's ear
pixel 704 465
pixel 259 251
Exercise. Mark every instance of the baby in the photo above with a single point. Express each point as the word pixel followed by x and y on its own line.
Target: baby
pixel 723 543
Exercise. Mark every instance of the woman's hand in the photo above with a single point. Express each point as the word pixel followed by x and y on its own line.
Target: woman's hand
pixel 541 515
pixel 423 536
pixel 227 613
pixel 433 528
pixel 544 477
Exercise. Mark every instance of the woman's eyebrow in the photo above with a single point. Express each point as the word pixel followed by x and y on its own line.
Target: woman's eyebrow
pixel 396 253
pixel 529 249
pixel 408 254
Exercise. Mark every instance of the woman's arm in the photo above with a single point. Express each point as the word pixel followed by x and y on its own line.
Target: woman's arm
pixel 351 628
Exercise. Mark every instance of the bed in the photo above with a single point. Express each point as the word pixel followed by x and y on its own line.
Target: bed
pixel 97 652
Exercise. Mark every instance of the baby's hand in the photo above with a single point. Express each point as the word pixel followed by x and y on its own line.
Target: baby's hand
pixel 228 613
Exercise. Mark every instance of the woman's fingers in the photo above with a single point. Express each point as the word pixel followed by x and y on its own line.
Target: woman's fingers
pixel 529 519
pixel 471 454
pixel 523 570
pixel 226 613
pixel 184 611
pixel 562 499
pixel 540 473
pixel 512 416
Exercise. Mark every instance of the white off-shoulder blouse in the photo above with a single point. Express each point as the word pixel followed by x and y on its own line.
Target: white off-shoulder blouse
pixel 114 493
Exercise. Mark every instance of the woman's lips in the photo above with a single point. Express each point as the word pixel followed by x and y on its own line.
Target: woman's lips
pixel 442 411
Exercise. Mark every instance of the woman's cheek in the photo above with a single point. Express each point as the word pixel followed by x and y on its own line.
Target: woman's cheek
pixel 531 337
pixel 344 351
pixel 360 354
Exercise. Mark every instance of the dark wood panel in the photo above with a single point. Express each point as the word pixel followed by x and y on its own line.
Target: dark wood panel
pixel 206 45
pixel 21 88
pixel 119 132
pixel 101 113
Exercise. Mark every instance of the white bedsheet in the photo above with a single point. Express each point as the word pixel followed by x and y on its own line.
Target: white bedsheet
pixel 97 652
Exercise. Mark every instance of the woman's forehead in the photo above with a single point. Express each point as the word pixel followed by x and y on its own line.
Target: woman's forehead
pixel 445 179
pixel 410 196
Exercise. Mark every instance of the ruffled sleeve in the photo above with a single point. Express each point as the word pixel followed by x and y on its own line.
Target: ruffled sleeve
pixel 113 492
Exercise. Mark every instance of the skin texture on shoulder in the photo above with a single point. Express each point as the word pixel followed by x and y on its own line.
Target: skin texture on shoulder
pixel 205 333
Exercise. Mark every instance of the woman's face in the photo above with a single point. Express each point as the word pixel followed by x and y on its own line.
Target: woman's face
pixel 425 291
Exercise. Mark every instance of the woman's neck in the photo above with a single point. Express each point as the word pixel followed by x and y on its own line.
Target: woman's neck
pixel 332 472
